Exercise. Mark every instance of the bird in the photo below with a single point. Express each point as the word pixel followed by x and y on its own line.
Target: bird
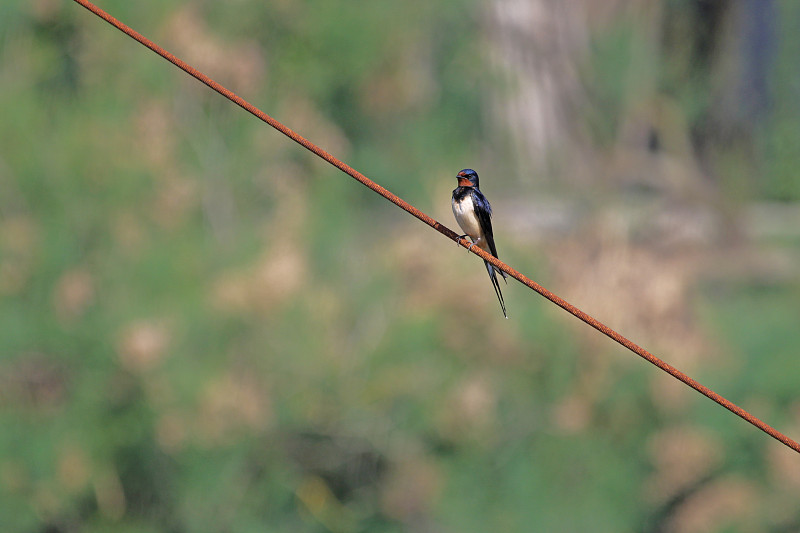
pixel 474 214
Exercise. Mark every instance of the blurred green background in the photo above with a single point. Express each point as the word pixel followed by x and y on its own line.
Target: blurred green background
pixel 205 328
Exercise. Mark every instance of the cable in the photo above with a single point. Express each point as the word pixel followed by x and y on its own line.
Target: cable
pixel 447 232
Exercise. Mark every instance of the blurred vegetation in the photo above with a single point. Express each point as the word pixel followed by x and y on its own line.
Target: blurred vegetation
pixel 204 328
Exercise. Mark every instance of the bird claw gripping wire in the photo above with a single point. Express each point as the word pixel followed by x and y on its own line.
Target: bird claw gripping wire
pixel 458 242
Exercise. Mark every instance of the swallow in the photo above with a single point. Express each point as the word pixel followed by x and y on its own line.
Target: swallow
pixel 474 214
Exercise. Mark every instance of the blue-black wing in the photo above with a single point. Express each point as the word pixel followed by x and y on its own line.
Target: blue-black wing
pixel 483 210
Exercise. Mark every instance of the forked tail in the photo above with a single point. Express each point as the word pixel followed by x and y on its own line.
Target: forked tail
pixel 496 285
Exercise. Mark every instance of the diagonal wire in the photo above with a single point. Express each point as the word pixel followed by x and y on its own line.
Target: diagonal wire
pixel 447 232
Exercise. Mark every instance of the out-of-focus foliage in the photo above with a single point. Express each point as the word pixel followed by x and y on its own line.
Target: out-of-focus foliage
pixel 205 328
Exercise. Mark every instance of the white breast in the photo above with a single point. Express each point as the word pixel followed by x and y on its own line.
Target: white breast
pixel 464 212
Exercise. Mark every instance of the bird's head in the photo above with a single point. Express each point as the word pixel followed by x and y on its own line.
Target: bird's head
pixel 467 178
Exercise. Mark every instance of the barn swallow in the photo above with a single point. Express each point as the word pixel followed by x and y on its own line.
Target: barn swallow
pixel 474 214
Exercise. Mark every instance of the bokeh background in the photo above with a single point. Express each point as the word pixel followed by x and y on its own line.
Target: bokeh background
pixel 204 328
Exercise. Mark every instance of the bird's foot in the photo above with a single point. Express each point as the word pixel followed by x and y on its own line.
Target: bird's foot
pixel 464 237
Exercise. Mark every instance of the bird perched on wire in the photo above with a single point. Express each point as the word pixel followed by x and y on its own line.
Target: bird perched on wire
pixel 474 214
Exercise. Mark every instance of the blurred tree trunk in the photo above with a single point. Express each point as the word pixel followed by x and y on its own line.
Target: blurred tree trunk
pixel 695 91
pixel 737 47
pixel 537 46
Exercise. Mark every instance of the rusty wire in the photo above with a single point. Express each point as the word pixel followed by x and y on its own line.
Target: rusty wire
pixel 447 232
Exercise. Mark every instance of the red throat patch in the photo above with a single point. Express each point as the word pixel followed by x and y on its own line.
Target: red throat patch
pixel 464 182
